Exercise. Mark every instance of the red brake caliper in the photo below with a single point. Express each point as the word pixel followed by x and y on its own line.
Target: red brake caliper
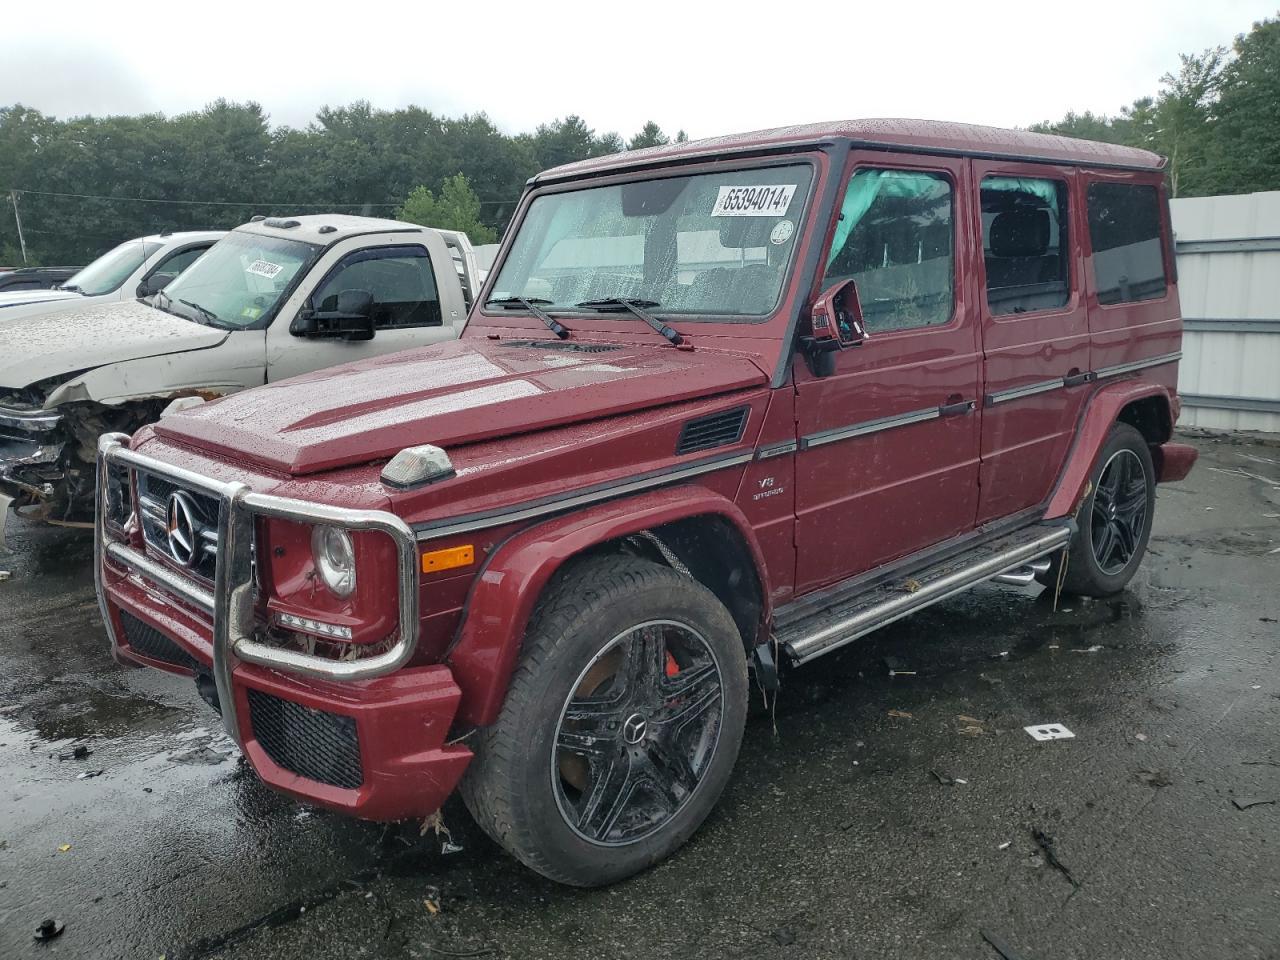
pixel 672 667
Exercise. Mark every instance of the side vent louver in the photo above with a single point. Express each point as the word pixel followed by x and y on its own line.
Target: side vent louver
pixel 713 430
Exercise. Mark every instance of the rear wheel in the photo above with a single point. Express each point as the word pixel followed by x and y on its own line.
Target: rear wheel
pixel 620 728
pixel 1114 520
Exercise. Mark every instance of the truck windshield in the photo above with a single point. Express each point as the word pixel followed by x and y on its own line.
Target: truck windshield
pixel 239 280
pixel 712 245
pixel 111 269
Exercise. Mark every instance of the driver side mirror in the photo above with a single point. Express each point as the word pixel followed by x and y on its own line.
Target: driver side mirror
pixel 351 318
pixel 154 284
pixel 836 323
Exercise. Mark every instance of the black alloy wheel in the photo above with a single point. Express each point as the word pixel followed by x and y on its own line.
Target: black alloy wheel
pixel 637 733
pixel 1118 519
pixel 620 727
pixel 1114 520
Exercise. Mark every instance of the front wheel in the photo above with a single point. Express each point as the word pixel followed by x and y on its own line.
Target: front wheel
pixel 1114 520
pixel 621 725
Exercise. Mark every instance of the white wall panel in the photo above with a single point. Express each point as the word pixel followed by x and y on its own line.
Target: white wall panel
pixel 1229 286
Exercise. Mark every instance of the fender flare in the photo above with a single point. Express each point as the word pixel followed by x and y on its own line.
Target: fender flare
pixel 1100 415
pixel 505 592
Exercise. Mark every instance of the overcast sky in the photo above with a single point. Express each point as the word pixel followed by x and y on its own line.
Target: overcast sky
pixel 708 69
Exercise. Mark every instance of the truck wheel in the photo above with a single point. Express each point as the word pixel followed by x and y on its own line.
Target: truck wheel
pixel 621 725
pixel 1115 519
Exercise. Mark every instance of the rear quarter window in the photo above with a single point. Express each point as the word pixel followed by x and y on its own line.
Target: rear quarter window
pixel 1124 232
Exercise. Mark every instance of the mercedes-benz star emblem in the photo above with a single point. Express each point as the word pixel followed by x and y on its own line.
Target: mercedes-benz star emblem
pixel 634 728
pixel 183 529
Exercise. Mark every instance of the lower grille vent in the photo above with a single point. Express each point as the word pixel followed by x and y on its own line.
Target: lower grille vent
pixel 714 430
pixel 146 641
pixel 311 743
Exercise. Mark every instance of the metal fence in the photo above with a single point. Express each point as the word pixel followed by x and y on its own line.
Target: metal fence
pixel 1229 284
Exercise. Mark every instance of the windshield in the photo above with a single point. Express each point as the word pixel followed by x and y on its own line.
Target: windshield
pixel 240 279
pixel 111 269
pixel 716 244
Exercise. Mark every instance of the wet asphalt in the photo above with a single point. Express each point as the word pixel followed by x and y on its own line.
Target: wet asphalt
pixel 869 817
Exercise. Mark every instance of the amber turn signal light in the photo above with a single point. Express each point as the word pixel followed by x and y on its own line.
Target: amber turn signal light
pixel 438 560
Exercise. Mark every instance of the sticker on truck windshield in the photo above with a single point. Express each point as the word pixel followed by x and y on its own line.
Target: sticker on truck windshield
pixel 756 200
pixel 781 232
pixel 264 268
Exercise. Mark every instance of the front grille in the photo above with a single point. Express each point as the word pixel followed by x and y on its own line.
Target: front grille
pixel 713 430
pixel 119 496
pixel 145 640
pixel 154 496
pixel 311 743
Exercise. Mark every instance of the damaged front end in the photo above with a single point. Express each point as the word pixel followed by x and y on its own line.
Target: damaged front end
pixel 33 445
pixel 47 454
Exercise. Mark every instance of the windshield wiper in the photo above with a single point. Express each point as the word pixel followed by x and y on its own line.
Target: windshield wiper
pixel 72 287
pixel 554 325
pixel 205 312
pixel 637 307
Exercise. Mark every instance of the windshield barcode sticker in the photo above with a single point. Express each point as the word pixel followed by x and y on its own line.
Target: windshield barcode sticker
pixel 759 200
pixel 264 268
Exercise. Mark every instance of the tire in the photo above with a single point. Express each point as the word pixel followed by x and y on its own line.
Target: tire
pixel 1113 527
pixel 608 643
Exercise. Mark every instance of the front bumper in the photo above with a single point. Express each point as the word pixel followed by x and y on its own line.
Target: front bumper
pixel 30 453
pixel 367 737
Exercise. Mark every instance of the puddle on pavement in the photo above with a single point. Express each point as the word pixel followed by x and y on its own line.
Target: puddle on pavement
pixel 73 711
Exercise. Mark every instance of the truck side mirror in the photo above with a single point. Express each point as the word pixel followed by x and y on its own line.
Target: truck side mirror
pixel 835 323
pixel 351 318
pixel 154 284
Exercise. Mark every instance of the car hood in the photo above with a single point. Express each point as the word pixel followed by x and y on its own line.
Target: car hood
pixel 56 344
pixel 17 298
pixel 449 394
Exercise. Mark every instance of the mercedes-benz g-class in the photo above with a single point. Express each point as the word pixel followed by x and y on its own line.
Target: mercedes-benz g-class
pixel 722 406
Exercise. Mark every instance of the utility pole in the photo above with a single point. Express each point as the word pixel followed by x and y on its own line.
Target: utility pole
pixel 13 198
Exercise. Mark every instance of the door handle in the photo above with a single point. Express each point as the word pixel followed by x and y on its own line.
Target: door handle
pixel 955 407
pixel 1074 378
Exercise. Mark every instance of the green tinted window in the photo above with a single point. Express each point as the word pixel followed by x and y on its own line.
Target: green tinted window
pixel 896 239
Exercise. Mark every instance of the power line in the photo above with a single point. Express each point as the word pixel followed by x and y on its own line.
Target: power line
pixel 198 203
pixel 221 203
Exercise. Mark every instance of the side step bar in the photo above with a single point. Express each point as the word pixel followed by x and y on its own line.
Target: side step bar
pixel 1007 557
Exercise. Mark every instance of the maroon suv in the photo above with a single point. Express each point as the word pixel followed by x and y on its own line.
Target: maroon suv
pixel 721 406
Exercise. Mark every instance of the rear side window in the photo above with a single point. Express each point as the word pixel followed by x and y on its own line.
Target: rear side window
pixel 1024 244
pixel 895 238
pixel 1124 230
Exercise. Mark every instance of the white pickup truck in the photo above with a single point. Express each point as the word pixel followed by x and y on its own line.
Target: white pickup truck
pixel 136 268
pixel 273 298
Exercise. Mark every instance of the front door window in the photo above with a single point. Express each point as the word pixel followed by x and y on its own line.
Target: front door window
pixel 400 279
pixel 894 238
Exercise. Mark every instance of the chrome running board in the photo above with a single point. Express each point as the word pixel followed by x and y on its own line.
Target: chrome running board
pixel 1004 557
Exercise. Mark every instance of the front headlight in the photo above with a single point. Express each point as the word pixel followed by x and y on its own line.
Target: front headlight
pixel 335 559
